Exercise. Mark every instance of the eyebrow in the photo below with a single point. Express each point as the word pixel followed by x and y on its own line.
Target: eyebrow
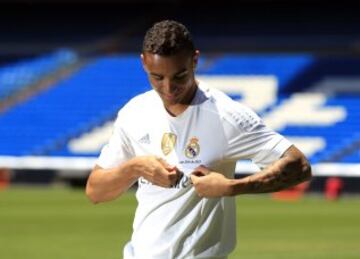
pixel 183 71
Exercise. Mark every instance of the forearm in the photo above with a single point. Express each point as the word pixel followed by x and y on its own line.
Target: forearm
pixel 108 184
pixel 291 169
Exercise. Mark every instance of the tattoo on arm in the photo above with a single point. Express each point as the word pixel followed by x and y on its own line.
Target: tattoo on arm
pixel 291 169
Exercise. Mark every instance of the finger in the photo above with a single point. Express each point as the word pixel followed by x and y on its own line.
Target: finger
pixel 163 178
pixel 173 174
pixel 167 183
pixel 171 168
pixel 198 173
pixel 204 170
pixel 163 162
pixel 170 178
pixel 173 182
pixel 167 166
pixel 159 181
pixel 179 173
pixel 193 179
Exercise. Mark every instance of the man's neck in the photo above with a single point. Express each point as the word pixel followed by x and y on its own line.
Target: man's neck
pixel 178 108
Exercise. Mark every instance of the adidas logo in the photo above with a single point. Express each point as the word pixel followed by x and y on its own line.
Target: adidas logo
pixel 145 139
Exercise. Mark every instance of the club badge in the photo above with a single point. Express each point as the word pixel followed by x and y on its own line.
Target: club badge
pixel 192 149
pixel 168 143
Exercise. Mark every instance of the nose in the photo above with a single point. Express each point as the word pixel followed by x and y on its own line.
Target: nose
pixel 169 86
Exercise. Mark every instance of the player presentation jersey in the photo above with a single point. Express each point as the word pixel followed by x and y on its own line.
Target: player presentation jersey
pixel 213 131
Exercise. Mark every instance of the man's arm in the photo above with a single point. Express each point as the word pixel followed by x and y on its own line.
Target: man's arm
pixel 291 169
pixel 108 184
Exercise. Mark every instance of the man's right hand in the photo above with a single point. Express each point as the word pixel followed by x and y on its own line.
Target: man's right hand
pixel 156 170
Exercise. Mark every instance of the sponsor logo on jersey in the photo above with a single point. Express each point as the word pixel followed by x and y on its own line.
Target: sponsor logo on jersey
pixel 192 149
pixel 184 181
pixel 168 143
pixel 145 139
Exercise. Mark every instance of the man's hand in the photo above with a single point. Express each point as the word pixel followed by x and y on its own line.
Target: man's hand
pixel 156 170
pixel 108 184
pixel 210 184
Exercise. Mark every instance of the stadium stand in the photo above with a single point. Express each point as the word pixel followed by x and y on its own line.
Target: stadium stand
pixel 70 107
pixel 17 76
pixel 295 63
pixel 73 118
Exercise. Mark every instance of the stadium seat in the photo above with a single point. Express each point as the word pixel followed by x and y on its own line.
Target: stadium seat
pixel 15 77
pixel 323 124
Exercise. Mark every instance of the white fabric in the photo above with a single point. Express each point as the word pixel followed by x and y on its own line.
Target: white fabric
pixel 175 222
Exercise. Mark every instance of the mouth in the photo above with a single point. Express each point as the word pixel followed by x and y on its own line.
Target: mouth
pixel 169 97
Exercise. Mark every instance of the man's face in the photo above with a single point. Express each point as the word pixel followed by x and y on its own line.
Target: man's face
pixel 172 77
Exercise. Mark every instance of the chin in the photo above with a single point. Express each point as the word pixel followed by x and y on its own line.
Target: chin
pixel 170 100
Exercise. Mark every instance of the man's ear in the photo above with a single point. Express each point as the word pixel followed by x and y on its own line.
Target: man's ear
pixel 196 58
pixel 142 57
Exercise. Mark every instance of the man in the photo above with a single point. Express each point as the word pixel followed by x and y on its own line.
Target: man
pixel 180 142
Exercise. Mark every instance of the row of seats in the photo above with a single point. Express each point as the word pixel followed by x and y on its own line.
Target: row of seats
pixel 338 136
pixel 47 121
pixel 14 77
pixel 45 124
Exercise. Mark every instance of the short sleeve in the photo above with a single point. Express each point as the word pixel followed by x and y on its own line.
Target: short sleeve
pixel 117 150
pixel 249 138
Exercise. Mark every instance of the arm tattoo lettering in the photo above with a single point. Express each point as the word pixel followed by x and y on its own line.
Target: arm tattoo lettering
pixel 291 169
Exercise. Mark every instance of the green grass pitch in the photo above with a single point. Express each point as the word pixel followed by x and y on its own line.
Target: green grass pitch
pixel 54 222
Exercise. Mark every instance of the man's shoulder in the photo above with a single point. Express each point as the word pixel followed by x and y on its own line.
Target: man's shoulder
pixel 148 96
pixel 231 111
pixel 139 101
pixel 216 96
pixel 139 105
pixel 221 102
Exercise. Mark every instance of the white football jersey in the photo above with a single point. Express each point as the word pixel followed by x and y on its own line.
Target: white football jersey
pixel 213 131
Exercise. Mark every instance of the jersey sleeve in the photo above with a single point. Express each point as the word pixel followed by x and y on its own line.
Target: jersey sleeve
pixel 118 148
pixel 249 138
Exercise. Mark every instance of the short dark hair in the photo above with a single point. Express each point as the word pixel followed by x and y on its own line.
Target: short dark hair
pixel 167 38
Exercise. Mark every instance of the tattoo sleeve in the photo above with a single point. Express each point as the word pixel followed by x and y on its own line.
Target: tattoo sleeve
pixel 291 169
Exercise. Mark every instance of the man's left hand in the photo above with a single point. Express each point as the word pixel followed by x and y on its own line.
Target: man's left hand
pixel 210 184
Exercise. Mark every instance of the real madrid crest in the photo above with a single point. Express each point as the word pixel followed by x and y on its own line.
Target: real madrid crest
pixel 168 142
pixel 192 149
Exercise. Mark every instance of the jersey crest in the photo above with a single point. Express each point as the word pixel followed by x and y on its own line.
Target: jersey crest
pixel 192 149
pixel 168 143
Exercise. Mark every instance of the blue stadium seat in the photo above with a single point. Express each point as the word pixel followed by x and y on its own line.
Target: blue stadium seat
pixel 71 107
pixel 20 75
pixel 44 124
